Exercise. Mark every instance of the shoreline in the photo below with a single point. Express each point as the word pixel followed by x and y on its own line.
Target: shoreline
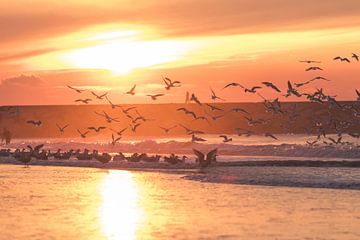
pixel 186 167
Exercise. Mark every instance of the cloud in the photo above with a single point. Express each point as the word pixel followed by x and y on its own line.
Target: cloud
pixel 186 17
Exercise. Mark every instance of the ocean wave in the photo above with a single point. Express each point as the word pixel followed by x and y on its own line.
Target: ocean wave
pixel 336 178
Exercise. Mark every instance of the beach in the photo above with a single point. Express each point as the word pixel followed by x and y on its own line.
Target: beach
pixel 45 202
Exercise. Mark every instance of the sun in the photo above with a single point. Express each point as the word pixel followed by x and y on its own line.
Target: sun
pixel 123 56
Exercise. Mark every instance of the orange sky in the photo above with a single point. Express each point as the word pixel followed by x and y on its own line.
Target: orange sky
pixel 111 45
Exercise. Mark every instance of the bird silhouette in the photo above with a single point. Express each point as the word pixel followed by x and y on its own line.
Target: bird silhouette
pixel 62 129
pixel 187 112
pixel 214 96
pixel 76 89
pixel 314 69
pixel 155 96
pixel 107 117
pixel 214 108
pixel 34 122
pixel 342 59
pixel 225 138
pixel 197 139
pixel 114 140
pixel 210 157
pixel 195 99
pixel 167 130
pixel 100 97
pixel 271 85
pixel 86 101
pixel 309 61
pixel 96 129
pixel 233 84
pixel 169 83
pixel 252 90
pixel 113 106
pixel 355 56
pixel 119 132
pixel 271 136
pixel 132 90
pixel 83 135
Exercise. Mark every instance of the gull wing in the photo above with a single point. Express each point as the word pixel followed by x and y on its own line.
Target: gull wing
pixel 199 154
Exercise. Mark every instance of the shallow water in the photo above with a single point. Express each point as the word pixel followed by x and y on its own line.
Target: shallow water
pixel 86 203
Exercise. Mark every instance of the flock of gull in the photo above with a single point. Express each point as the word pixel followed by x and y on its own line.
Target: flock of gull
pixel 211 112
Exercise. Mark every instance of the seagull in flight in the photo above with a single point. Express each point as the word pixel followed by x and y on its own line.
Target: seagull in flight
pixel 237 110
pixel 271 135
pixel 132 90
pixel 314 69
pixel 292 90
pixel 320 78
pixel 75 89
pixel 107 117
pixel 126 110
pixel 169 83
pixel 271 85
pixel 355 56
pixel 342 59
pixel 113 106
pixel 213 108
pixel 309 61
pixel 233 84
pixel 155 96
pixel 119 132
pixel 96 129
pixel 187 111
pixel 195 99
pixel 214 96
pixel 225 138
pixel 358 95
pixel 167 130
pixel 86 101
pixel 114 140
pixel 252 90
pixel 197 139
pixel 100 97
pixel 83 135
pixel 62 129
pixel 34 122
pixel 134 127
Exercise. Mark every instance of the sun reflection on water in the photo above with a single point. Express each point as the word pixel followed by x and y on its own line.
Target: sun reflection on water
pixel 120 213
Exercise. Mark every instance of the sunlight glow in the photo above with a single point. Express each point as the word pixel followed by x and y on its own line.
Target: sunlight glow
pixel 123 56
pixel 120 213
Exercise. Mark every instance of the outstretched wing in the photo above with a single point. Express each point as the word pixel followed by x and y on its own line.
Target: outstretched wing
pixel 38 147
pixel 199 154
pixel 212 155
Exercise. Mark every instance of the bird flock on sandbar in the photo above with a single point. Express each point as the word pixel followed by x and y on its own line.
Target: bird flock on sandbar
pixel 212 113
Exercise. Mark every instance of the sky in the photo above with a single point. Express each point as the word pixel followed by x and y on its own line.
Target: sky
pixel 108 46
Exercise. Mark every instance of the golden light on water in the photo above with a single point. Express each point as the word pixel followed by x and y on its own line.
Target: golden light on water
pixel 120 212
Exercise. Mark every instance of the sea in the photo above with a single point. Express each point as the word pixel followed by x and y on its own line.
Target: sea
pixel 92 201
